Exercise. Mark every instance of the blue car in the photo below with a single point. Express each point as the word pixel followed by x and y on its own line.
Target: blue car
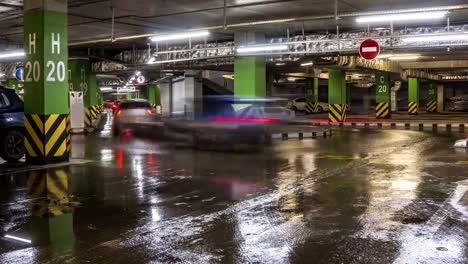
pixel 11 125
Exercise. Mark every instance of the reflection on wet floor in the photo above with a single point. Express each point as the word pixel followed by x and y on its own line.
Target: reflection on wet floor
pixel 359 197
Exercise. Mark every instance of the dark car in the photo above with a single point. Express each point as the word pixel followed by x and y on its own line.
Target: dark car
pixel 11 125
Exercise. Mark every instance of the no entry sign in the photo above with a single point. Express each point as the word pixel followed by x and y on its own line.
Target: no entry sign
pixel 369 49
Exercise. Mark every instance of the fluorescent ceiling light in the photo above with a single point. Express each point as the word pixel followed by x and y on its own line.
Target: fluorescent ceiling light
pixel 435 38
pixel 307 64
pixel 402 17
pixel 385 56
pixel 18 239
pixel 12 55
pixel 104 89
pixel 184 35
pixel 265 48
pixel 280 64
pixel 399 58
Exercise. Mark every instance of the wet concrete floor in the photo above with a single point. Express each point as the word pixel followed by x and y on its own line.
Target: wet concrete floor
pixel 362 196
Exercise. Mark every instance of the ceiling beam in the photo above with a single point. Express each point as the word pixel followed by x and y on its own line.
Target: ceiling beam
pixel 447 64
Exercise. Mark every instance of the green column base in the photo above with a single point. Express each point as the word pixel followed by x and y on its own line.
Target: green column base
pixel 413 108
pixel 45 139
pixel 337 113
pixel 431 106
pixel 382 111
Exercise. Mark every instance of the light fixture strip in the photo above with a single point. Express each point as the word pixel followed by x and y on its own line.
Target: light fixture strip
pixel 433 15
pixel 12 55
pixel 178 36
pixel 264 48
pixel 436 38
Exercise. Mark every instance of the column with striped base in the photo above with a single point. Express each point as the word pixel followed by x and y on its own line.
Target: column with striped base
pixel 413 96
pixel 46 107
pixel 431 103
pixel 336 95
pixel 382 96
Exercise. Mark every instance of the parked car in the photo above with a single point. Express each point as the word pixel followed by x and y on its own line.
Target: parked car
pixel 299 105
pixel 132 112
pixel 274 113
pixel 11 125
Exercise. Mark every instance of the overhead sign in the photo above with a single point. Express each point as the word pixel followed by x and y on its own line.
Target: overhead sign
pixel 19 73
pixel 369 49
pixel 125 89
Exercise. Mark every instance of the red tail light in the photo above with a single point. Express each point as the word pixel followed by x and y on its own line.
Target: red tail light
pixel 119 112
pixel 114 106
pixel 151 112
pixel 244 119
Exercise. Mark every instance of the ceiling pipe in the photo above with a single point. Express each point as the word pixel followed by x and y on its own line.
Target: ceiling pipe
pixel 285 20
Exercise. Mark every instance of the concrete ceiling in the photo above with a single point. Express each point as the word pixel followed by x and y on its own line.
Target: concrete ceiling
pixel 91 19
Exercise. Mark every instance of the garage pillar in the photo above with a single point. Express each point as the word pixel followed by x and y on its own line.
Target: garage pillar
pixel 413 96
pixel 382 89
pixel 348 97
pixel 249 72
pixel 431 102
pixel 193 91
pixel 336 95
pixel 46 81
pixel 153 95
pixel 440 97
pixel 83 80
pixel 311 94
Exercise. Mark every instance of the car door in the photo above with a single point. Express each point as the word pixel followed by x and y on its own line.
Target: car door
pixel 300 104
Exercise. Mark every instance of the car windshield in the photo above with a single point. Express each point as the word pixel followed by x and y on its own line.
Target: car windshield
pixel 135 105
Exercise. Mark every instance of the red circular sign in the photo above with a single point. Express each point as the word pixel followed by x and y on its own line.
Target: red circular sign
pixel 369 49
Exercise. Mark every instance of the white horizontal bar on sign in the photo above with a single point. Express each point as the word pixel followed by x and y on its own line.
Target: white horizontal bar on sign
pixel 369 49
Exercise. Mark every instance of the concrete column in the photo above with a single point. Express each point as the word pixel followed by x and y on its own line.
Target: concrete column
pixel 46 81
pixel 440 98
pixel 193 94
pixel 336 95
pixel 249 72
pixel 153 94
pixel 431 102
pixel 382 89
pixel 413 96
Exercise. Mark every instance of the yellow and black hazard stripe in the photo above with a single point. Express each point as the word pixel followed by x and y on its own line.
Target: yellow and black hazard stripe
pixel 348 107
pixel 337 113
pixel 312 108
pixel 93 112
pixel 46 138
pixel 68 134
pixel 382 110
pixel 51 191
pixel 413 108
pixel 88 118
pixel 431 106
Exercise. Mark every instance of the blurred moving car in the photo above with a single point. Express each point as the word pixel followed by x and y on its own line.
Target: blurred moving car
pixel 115 107
pixel 11 125
pixel 132 112
pixel 265 112
pixel 298 105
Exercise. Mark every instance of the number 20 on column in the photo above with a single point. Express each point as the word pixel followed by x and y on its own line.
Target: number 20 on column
pixel 55 70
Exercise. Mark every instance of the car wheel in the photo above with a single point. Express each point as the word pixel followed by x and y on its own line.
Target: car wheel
pixel 12 146
pixel 320 109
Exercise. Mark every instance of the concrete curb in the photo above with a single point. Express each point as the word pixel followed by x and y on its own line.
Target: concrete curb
pixel 302 135
pixel 452 127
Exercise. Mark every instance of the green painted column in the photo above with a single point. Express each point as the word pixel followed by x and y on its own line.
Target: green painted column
pixel 46 81
pixel 128 96
pixel 311 94
pixel 153 94
pixel 382 96
pixel 82 79
pixel 336 95
pixel 431 102
pixel 413 96
pixel 250 76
